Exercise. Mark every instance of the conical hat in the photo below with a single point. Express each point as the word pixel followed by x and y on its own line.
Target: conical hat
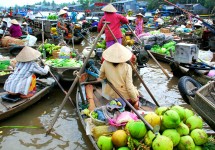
pixel 25 23
pixel 14 21
pixel 109 8
pixel 61 12
pixel 65 8
pixel 117 53
pixel 139 14
pixel 27 54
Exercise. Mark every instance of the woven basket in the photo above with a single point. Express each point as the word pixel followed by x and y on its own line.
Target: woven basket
pixel 96 121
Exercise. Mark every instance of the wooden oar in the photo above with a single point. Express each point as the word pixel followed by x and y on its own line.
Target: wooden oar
pixel 150 54
pixel 147 89
pixel 64 91
pixel 132 108
pixel 75 81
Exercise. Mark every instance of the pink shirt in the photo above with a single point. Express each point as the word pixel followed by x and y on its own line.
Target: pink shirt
pixel 115 23
pixel 15 31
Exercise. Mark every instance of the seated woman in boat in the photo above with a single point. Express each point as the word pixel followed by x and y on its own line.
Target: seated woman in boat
pixel 119 73
pixel 61 26
pixel 26 29
pixel 15 29
pixel 23 80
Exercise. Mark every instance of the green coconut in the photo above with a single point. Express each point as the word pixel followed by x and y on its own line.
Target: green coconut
pixel 188 113
pixel 198 147
pixel 171 119
pixel 160 110
pixel 162 142
pixel 137 129
pixel 105 143
pixel 199 136
pixel 186 143
pixel 194 122
pixel 148 138
pixel 173 135
pixel 183 129
pixel 180 110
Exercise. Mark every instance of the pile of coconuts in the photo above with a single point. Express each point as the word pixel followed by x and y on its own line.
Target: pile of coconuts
pixel 180 129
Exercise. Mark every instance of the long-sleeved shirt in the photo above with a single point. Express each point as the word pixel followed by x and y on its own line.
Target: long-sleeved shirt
pixel 19 81
pixel 115 23
pixel 121 78
pixel 15 31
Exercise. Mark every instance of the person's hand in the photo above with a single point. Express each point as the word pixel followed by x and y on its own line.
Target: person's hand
pixel 47 68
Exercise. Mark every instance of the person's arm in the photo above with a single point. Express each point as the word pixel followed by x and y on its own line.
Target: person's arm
pixel 102 72
pixel 123 19
pixel 100 24
pixel 129 85
pixel 39 70
pixel 62 26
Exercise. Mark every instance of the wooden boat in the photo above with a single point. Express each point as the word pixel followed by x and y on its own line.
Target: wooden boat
pixel 202 101
pixel 65 73
pixel 99 101
pixel 9 108
pixel 161 57
pixel 198 75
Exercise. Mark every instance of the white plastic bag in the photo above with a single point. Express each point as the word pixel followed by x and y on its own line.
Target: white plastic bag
pixel 30 40
pixel 205 56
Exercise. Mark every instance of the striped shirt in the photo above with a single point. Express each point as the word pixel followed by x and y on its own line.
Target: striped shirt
pixel 19 81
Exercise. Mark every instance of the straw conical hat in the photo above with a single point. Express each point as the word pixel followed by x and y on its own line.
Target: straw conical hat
pixel 117 53
pixel 61 12
pixel 198 24
pixel 27 54
pixel 139 14
pixel 25 23
pixel 109 8
pixel 14 21
pixel 65 8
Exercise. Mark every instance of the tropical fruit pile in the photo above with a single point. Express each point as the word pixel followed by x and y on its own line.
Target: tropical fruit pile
pixel 52 17
pixel 64 63
pixel 165 49
pixel 49 48
pixel 180 129
pixel 101 44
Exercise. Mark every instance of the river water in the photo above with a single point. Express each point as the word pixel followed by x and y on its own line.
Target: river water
pixel 68 132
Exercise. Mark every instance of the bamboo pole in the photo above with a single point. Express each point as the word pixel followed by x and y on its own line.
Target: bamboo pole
pixel 75 81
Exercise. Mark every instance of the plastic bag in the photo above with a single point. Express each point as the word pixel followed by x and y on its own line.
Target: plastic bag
pixel 30 40
pixel 206 56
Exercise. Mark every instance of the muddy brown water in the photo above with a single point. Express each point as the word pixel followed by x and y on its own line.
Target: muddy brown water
pixel 68 132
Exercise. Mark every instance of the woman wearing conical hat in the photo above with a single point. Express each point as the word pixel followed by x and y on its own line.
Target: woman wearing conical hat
pixel 15 29
pixel 61 27
pixel 139 24
pixel 23 80
pixel 119 73
pixel 115 20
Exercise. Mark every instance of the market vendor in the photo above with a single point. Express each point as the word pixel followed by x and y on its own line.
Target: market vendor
pixel 119 73
pixel 22 82
pixel 115 21
pixel 158 21
pixel 61 26
pixel 198 30
pixel 15 29
pixel 189 24
pixel 26 28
